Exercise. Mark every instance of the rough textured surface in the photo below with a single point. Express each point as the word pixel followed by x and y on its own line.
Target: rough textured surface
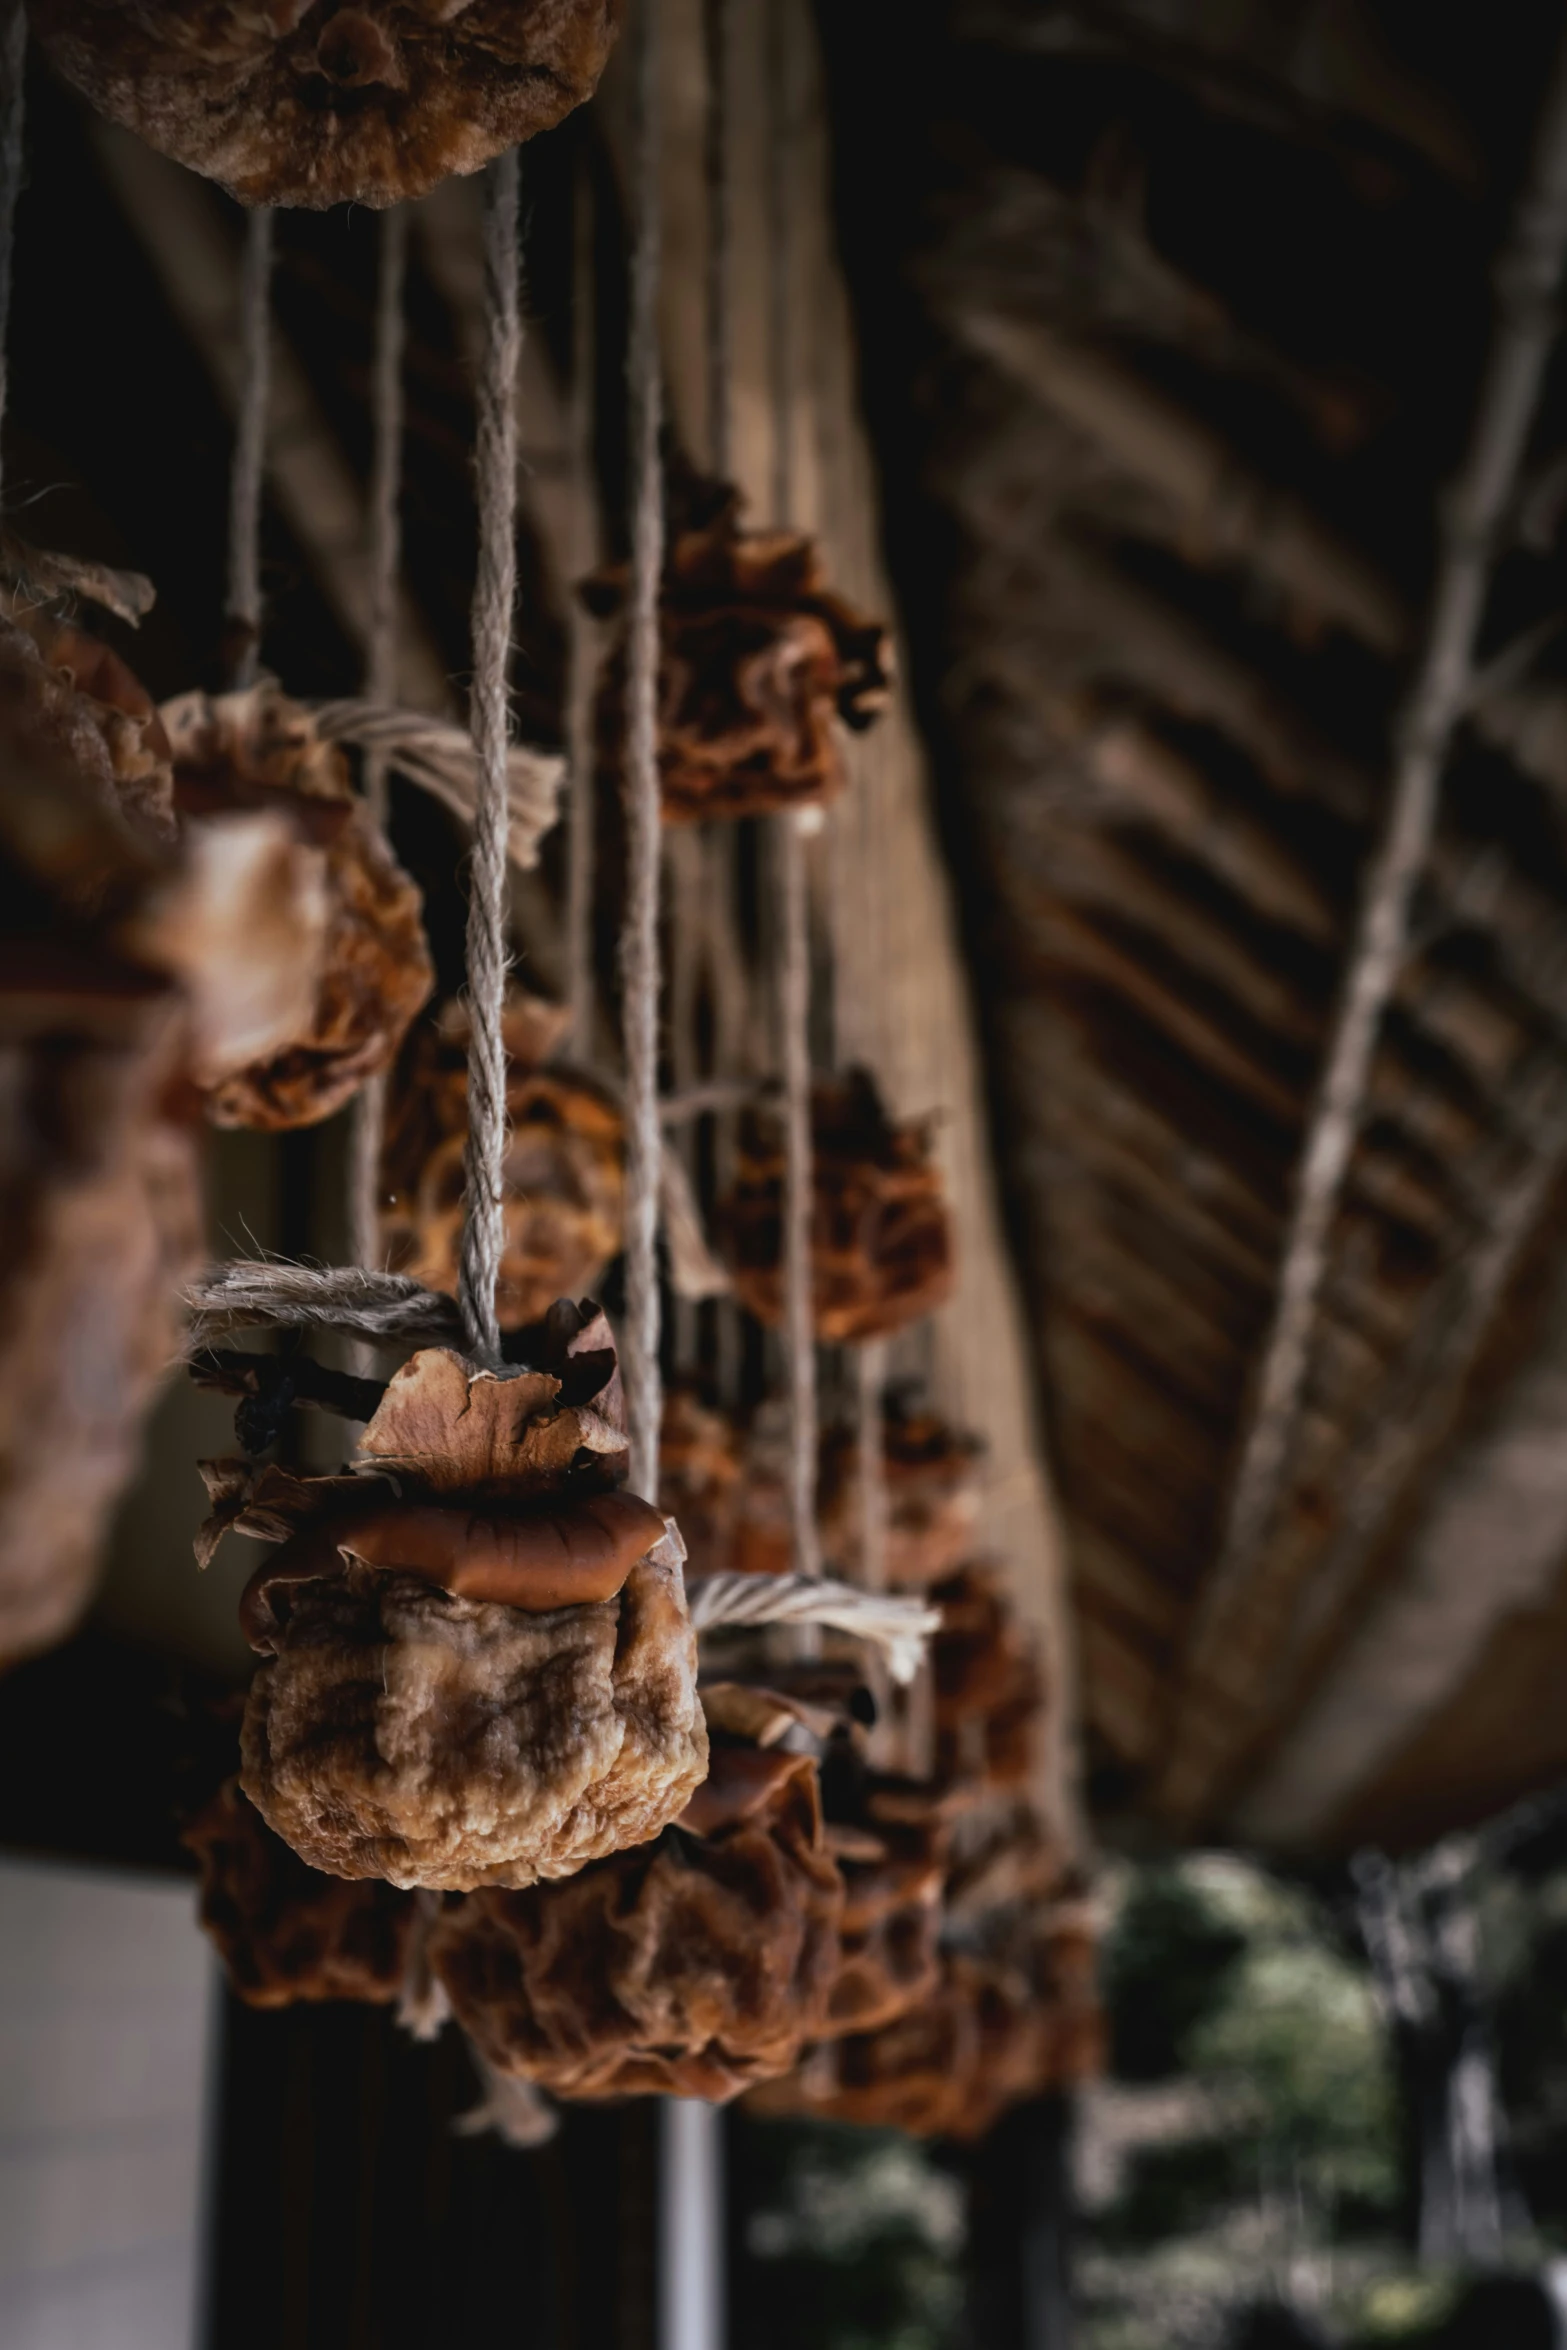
pixel 989 1694
pixel 932 1496
pixel 99 716
pixel 692 1968
pixel 890 1955
pixel 564 1175
pixel 285 102
pixel 100 1211
pixel 702 1481
pixel 881 1238
pixel 258 751
pixel 1006 2022
pixel 760 662
pixel 286 1932
pixel 399 1731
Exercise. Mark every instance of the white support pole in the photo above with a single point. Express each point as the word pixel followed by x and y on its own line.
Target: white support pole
pixel 690 2226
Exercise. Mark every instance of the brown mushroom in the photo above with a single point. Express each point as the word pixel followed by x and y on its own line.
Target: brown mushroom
pixel 258 751
pixel 700 1477
pixel 564 1173
pixel 284 1931
pixel 881 1233
pixel 310 102
pixel 100 1209
pixel 691 1968
pixel 989 1691
pixel 409 1724
pixel 760 662
pixel 932 1500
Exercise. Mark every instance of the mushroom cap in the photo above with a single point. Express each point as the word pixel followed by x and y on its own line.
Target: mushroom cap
pixel 309 102
pixel 692 1968
pixel 404 1733
pixel 258 751
pixel 286 1932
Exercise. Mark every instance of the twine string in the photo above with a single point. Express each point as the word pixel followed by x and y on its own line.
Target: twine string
pixel 369 1114
pixel 582 643
pixel 244 609
pixel 794 978
pixel 639 960
pixel 900 1627
pixel 484 1225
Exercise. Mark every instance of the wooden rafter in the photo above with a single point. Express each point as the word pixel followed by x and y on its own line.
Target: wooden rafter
pixel 1525 334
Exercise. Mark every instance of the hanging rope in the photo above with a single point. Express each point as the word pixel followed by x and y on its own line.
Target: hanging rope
pixel 386 399
pixel 384 1307
pixel 484 1163
pixel 715 173
pixel 871 1466
pixel 250 449
pixel 13 77
pixel 794 978
pixel 639 969
pixel 900 1627
pixel 582 646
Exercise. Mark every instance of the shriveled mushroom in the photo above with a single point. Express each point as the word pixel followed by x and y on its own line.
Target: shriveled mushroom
pixel 480 1670
pixel 760 663
pixel 1006 2021
pixel 700 1477
pixel 284 1931
pixel 931 1497
pixel 691 1968
pixel 258 751
pixel 100 1210
pixel 315 102
pixel 564 1172
pixel 99 716
pixel 989 1690
pixel 881 1233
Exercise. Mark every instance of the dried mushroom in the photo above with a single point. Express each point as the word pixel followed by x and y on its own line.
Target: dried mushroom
pixel 100 1206
pixel 99 716
pixel 890 1958
pixel 700 1478
pixel 692 1968
pixel 257 751
pixel 479 1667
pixel 760 661
pixel 564 1174
pixel 1005 2022
pixel 312 103
pixel 932 1501
pixel 284 1931
pixel 989 1693
pixel 881 1233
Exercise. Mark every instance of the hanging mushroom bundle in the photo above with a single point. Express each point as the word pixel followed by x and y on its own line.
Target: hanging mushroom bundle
pixel 693 1968
pixel 988 1690
pixel 760 662
pixel 881 1232
pixel 257 751
pixel 284 1931
pixel 932 1503
pixel 125 964
pixel 564 1172
pixel 308 102
pixel 479 1668
pixel 1008 2020
pixel 702 1479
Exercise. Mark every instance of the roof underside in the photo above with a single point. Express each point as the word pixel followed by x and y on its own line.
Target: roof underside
pixel 1179 351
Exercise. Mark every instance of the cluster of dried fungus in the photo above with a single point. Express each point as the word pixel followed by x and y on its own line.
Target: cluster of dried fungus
pixel 760 664
pixel 564 1173
pixel 312 102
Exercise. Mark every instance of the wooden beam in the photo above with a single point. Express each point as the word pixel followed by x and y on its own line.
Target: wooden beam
pixel 1525 336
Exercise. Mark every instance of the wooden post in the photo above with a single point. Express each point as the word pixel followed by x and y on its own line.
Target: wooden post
pixel 1019 2210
